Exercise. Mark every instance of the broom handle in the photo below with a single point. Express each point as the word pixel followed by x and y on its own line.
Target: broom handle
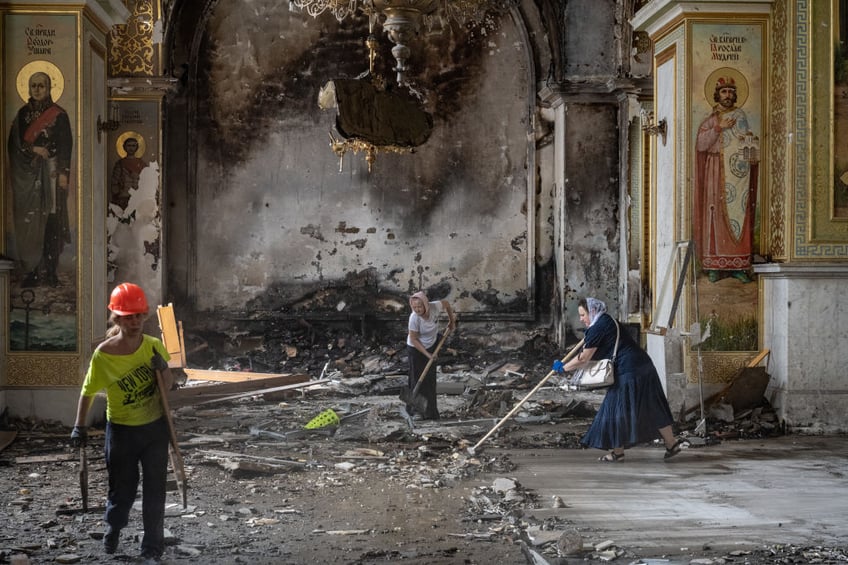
pixel 430 362
pixel 565 359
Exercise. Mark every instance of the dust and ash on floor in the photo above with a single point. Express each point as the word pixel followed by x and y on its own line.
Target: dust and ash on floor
pixel 376 487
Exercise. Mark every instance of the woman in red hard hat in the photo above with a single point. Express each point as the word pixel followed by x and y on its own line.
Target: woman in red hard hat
pixel 136 430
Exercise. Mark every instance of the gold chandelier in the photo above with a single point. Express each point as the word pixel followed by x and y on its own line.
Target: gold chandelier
pixel 459 10
pixel 403 124
pixel 402 19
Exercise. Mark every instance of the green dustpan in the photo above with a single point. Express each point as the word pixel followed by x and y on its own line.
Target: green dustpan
pixel 326 418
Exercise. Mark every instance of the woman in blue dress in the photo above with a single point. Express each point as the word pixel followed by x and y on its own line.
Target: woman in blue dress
pixel 635 409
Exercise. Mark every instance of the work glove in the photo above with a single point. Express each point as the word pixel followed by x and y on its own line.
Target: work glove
pixel 558 367
pixel 79 437
pixel 158 362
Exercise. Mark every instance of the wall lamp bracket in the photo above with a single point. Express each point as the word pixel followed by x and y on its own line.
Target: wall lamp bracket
pixel 113 123
pixel 651 128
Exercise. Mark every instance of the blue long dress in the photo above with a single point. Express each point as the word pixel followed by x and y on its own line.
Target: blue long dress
pixel 635 407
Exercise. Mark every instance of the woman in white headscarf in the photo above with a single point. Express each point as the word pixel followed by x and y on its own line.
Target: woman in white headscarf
pixel 421 343
pixel 635 409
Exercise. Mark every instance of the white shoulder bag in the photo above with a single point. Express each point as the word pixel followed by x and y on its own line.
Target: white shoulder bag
pixel 601 373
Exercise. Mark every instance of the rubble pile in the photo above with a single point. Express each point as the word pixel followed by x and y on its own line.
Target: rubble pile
pixel 265 487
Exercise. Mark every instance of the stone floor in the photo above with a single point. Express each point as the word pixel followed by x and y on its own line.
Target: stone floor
pixel 729 496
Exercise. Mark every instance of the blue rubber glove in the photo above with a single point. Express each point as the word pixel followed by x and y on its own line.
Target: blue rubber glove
pixel 79 437
pixel 558 367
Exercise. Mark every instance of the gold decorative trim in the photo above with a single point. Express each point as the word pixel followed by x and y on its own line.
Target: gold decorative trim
pixel 816 237
pixel 131 49
pixel 717 367
pixel 35 370
pixel 776 212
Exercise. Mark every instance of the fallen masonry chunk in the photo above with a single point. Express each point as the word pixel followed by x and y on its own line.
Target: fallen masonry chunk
pixel 604 545
pixel 570 542
pixel 503 485
pixel 608 555
pixel 345 466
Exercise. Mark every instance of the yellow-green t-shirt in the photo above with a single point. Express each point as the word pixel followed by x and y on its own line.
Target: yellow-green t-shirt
pixel 132 397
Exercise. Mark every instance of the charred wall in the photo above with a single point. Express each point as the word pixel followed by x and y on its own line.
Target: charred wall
pixel 592 203
pixel 271 223
pixel 264 222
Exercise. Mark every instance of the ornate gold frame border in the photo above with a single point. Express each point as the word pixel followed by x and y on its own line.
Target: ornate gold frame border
pixel 20 365
pixel 31 369
pixel 716 366
pixel 814 237
pixel 765 219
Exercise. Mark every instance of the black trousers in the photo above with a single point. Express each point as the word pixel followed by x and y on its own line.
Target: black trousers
pixel 127 448
pixel 417 362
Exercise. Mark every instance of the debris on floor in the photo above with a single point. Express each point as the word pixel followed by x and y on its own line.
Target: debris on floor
pixel 363 480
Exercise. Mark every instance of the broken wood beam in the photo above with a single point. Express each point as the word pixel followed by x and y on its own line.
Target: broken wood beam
pixel 228 376
pixel 242 466
pixel 194 394
pixel 234 455
pixel 57 458
pixel 265 391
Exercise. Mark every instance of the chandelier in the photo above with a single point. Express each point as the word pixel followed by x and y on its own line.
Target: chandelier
pixel 372 118
pixel 402 19
pixel 459 10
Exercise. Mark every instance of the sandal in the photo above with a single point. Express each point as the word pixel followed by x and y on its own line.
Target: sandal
pixel 611 457
pixel 675 449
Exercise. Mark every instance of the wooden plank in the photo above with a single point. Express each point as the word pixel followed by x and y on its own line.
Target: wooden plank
pixel 46 458
pixel 233 455
pixel 266 390
pixel 760 356
pixel 170 335
pixel 228 376
pixel 193 394
pixel 173 338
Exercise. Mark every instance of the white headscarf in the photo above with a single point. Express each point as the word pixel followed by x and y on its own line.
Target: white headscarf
pixel 420 295
pixel 596 308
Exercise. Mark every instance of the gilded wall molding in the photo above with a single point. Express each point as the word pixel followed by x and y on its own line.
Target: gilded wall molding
pixel 776 244
pixel 812 131
pixel 33 370
pixel 717 367
pixel 131 48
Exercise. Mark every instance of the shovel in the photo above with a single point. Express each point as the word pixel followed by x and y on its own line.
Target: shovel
pixel 420 404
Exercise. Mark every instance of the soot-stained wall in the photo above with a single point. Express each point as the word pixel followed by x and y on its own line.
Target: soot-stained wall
pixel 278 226
pixel 591 247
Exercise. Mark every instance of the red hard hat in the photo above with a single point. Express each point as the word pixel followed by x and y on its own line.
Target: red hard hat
pixel 128 299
